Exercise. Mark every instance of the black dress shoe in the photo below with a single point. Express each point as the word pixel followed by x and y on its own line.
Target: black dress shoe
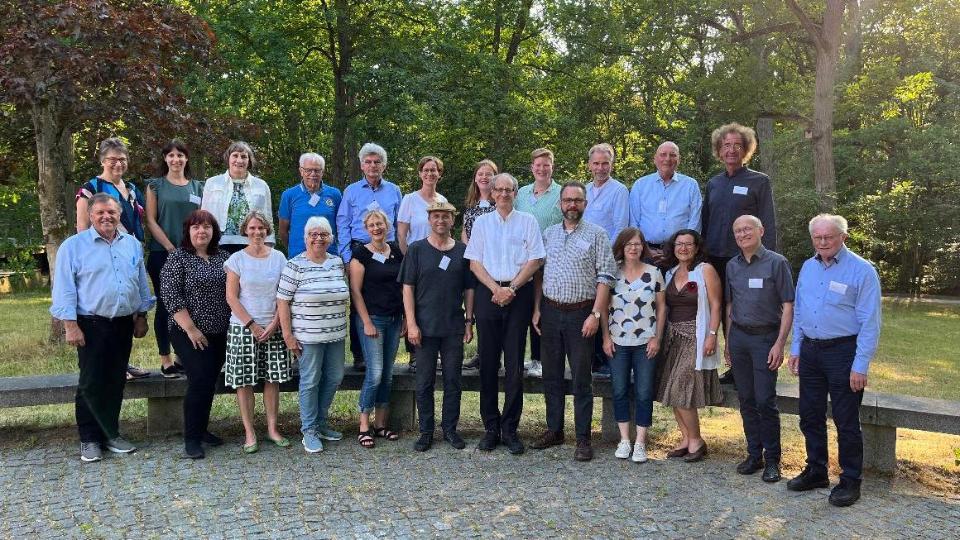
pixel 489 441
pixel 193 450
pixel 424 442
pixel 845 493
pixel 584 451
pixel 548 439
pixel 454 439
pixel 771 473
pixel 514 444
pixel 750 465
pixel 211 439
pixel 809 479
pixel 727 378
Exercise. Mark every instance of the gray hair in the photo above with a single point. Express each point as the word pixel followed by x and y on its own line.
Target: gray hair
pixel 316 222
pixel 601 147
pixel 671 144
pixel 507 176
pixel 257 215
pixel 752 219
pixel 839 222
pixel 372 148
pixel 376 212
pixel 240 146
pixel 312 156
pixel 99 198
pixel 113 144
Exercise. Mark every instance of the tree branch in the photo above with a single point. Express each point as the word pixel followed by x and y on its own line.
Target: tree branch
pixel 807 24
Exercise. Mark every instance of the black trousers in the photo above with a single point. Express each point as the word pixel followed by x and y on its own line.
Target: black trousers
pixel 502 330
pixel 720 265
pixel 757 392
pixel 203 371
pixel 155 262
pixel 103 374
pixel 563 341
pixel 450 349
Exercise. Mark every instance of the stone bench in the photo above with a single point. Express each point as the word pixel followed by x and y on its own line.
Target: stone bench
pixel 880 414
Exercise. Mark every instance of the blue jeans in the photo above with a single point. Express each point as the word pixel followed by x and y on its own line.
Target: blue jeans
pixel 625 359
pixel 321 370
pixel 379 353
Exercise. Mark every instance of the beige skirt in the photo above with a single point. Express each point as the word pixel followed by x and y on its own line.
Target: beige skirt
pixel 681 385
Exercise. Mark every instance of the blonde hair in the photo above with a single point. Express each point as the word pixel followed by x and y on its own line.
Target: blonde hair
pixel 376 212
pixel 747 136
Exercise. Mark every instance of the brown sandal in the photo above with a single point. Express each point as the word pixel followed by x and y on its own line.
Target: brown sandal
pixel 365 438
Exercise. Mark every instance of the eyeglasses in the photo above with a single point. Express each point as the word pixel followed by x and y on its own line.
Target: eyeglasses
pixel 827 238
pixel 684 244
pixel 573 201
pixel 503 190
pixel 115 160
pixel 637 245
pixel 320 235
pixel 735 146
pixel 744 230
pixel 311 171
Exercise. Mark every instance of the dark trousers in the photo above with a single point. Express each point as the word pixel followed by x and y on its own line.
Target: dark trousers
pixel 534 343
pixel 450 349
pixel 154 264
pixel 825 369
pixel 103 373
pixel 203 372
pixel 720 265
pixel 501 330
pixel 563 341
pixel 757 391
pixel 355 349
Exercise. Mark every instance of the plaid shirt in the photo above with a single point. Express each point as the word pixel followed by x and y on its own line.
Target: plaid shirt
pixel 576 262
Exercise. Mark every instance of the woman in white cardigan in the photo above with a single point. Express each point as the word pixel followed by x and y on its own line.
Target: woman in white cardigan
pixel 688 379
pixel 234 194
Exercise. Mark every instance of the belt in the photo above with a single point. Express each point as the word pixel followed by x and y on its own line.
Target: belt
pixel 830 342
pixel 757 330
pixel 98 318
pixel 569 307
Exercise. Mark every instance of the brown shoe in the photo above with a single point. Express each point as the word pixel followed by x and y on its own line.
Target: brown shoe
pixel 693 457
pixel 548 439
pixel 584 451
pixel 677 452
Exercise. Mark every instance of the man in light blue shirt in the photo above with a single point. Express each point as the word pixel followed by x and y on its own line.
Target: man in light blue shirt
pixel 836 329
pixel 608 200
pixel 371 192
pixel 101 293
pixel 311 197
pixel 666 201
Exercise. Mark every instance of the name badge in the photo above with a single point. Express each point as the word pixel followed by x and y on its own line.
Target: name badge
pixel 582 244
pixel 663 207
pixel 484 204
pixel 373 206
pixel 314 199
pixel 755 283
pixel 739 190
pixel 380 258
pixel 444 262
pixel 837 287
pixel 194 199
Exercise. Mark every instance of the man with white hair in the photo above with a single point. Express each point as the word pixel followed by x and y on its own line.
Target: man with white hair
pixel 311 197
pixel 371 192
pixel 608 203
pixel 836 328
pixel 665 201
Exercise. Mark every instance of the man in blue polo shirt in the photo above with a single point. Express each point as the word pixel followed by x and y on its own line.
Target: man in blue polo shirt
pixel 836 329
pixel 311 197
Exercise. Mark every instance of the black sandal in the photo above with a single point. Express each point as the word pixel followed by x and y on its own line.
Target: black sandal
pixel 365 438
pixel 385 433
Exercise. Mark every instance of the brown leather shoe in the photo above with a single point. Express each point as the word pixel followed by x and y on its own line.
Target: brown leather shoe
pixel 548 439
pixel 584 451
pixel 677 452
pixel 693 457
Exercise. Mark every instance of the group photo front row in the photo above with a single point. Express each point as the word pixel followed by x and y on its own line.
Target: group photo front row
pixel 635 283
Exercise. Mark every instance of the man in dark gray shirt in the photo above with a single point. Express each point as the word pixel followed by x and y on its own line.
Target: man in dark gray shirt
pixel 437 286
pixel 759 315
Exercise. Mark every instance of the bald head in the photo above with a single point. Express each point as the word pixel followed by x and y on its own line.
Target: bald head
pixel 748 232
pixel 667 159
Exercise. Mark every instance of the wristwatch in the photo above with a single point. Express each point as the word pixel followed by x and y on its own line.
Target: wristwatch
pixel 468 320
pixel 595 314
pixel 713 332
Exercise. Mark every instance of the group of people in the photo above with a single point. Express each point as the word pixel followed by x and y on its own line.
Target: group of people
pixel 643 278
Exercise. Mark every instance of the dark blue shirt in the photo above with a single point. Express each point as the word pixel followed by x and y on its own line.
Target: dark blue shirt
pixel 747 192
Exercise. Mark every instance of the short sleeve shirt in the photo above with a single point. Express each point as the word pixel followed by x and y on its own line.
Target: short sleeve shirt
pixel 188 281
pixel 413 211
pixel 756 291
pixel 633 310
pixel 380 290
pixel 258 283
pixel 318 298
pixel 439 279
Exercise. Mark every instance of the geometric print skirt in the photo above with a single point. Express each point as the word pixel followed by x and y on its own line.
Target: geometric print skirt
pixel 249 362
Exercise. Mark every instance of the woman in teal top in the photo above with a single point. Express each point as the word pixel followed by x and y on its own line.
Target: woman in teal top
pixel 171 197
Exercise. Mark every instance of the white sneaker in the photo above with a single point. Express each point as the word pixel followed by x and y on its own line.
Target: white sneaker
pixel 623 449
pixel 639 452
pixel 534 368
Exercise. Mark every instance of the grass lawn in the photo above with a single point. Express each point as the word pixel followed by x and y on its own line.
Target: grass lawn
pixel 916 357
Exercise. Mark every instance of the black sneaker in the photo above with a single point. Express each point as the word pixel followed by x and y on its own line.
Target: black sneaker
pixel 809 479
pixel 455 440
pixel 173 372
pixel 845 493
pixel 424 442
pixel 489 441
pixel 193 450
pixel 514 444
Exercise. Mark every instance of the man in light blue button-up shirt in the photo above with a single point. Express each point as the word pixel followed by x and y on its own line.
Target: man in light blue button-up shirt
pixel 608 200
pixel 666 201
pixel 101 293
pixel 836 328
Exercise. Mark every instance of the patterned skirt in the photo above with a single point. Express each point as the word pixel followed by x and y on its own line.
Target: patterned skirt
pixel 249 362
pixel 681 385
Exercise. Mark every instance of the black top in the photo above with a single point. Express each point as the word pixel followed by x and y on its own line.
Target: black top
pixel 729 197
pixel 681 304
pixel 189 282
pixel 380 290
pixel 438 292
pixel 756 291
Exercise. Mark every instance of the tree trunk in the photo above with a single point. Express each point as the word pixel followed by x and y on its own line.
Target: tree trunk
pixel 54 156
pixel 765 139
pixel 342 60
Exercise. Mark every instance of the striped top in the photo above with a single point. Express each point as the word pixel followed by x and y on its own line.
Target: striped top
pixel 318 298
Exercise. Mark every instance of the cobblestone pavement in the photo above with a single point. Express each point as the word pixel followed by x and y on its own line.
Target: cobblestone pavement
pixel 393 492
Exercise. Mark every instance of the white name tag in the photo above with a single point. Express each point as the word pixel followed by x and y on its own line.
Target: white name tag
pixel 837 287
pixel 484 204
pixel 373 206
pixel 756 283
pixel 314 199
pixel 444 262
pixel 739 190
pixel 662 208
pixel 194 199
pixel 380 258
pixel 582 245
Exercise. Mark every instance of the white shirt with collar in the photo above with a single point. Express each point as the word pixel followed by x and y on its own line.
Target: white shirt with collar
pixel 504 246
